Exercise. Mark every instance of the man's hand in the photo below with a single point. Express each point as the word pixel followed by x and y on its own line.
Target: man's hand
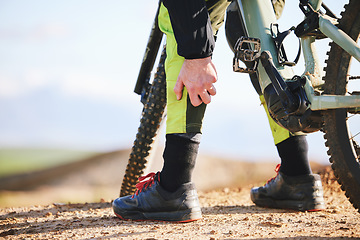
pixel 198 76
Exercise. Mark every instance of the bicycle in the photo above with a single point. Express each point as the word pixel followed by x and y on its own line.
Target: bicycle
pixel 310 102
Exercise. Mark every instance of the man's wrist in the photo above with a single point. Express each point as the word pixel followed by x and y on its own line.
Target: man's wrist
pixel 199 56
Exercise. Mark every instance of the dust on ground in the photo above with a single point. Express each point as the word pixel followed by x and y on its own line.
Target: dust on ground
pixel 228 212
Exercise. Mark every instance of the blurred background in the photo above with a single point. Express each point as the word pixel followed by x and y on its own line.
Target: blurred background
pixel 67 74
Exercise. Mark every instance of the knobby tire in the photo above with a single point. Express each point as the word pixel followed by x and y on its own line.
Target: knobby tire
pixel 342 148
pixel 151 118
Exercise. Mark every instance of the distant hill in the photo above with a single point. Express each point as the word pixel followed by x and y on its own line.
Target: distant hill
pixel 100 176
pixel 22 160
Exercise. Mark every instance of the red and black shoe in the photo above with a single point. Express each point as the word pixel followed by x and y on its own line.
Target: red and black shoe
pixel 302 193
pixel 152 202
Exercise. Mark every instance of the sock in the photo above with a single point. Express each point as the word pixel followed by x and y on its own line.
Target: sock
pixel 294 156
pixel 179 159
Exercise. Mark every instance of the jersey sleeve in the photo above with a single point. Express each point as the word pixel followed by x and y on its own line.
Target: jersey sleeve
pixel 192 27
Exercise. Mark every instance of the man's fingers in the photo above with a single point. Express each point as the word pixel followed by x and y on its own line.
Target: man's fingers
pixel 178 89
pixel 212 91
pixel 198 97
pixel 205 97
pixel 195 99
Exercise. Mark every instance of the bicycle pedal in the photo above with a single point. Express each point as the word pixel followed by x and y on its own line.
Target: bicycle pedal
pixel 247 50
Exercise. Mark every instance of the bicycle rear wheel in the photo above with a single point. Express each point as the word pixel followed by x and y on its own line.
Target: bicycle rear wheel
pixel 152 115
pixel 342 126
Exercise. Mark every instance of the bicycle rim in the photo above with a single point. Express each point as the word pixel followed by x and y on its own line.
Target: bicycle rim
pixel 342 126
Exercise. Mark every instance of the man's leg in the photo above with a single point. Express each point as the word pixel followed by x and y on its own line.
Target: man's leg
pixel 184 121
pixel 292 148
pixel 183 126
pixel 294 187
pixel 169 195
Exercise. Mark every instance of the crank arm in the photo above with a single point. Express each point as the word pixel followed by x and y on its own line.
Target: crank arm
pixel 288 100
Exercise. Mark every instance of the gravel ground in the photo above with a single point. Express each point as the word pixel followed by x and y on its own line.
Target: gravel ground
pixel 228 213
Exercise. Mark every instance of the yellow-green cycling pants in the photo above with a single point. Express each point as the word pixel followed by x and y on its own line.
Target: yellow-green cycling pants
pixel 182 116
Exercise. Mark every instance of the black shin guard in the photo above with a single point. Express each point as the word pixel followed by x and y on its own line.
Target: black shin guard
pixel 179 160
pixel 294 156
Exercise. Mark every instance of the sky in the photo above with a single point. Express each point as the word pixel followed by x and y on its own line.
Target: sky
pixel 68 70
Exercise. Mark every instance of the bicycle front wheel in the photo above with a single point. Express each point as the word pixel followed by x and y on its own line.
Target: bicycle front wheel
pixel 151 118
pixel 342 126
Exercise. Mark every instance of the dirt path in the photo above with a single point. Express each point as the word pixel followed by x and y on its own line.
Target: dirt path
pixel 228 213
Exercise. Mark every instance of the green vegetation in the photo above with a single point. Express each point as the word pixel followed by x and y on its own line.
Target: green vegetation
pixel 14 161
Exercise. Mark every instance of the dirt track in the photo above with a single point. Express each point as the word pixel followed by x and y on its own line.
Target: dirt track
pixel 227 210
pixel 228 213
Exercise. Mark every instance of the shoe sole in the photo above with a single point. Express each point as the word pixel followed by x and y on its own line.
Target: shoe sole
pixel 178 216
pixel 318 205
pixel 157 220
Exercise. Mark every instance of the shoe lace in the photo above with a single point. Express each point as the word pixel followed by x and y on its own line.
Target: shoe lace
pixel 277 169
pixel 145 182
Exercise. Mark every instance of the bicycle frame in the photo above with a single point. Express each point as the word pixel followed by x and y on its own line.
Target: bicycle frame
pixel 257 20
pixel 305 91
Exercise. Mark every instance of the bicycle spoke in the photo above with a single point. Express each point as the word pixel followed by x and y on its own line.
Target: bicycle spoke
pixel 354 136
